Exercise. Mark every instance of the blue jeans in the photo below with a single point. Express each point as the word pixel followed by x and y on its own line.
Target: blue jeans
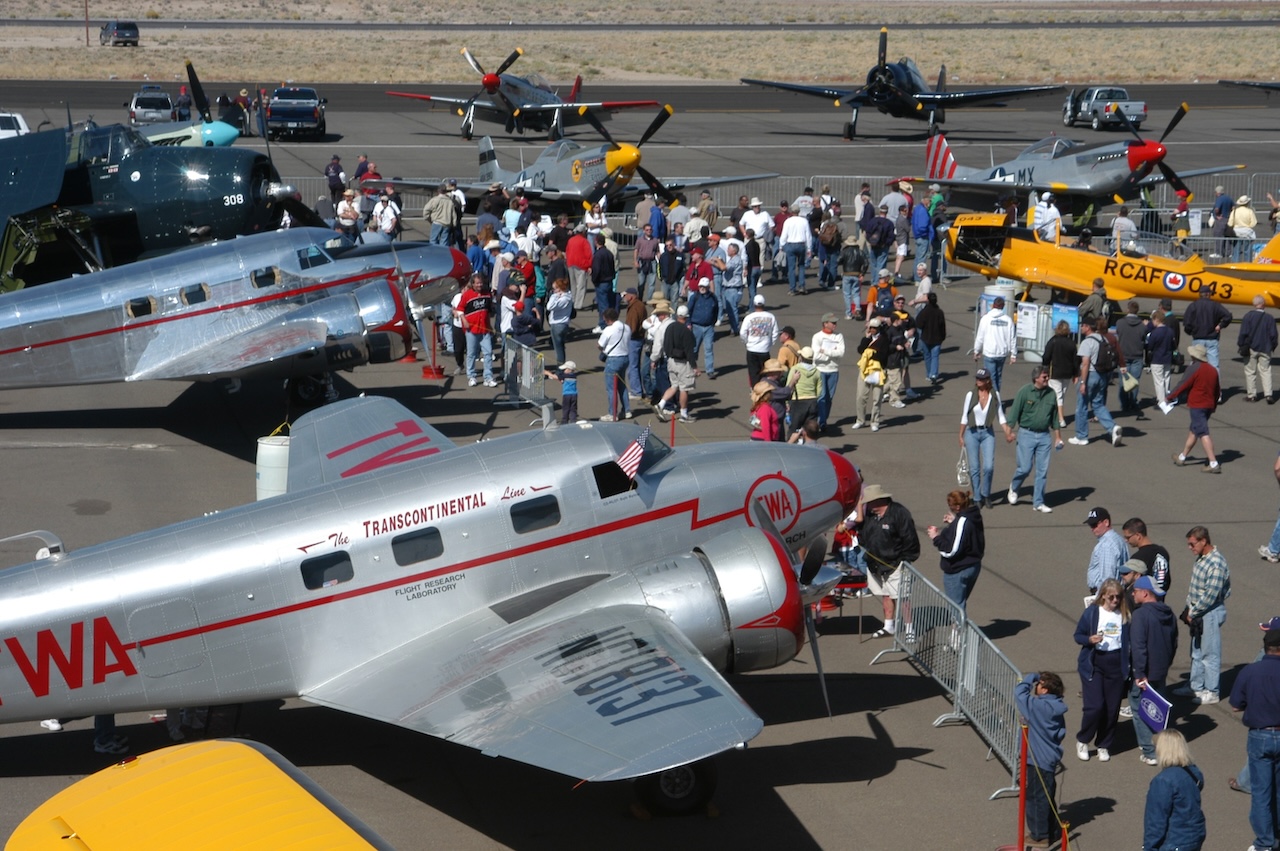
pixel 923 249
pixel 559 332
pixel 440 235
pixel 980 444
pixel 995 366
pixel 753 281
pixel 795 252
pixel 634 351
pixel 1042 788
pixel 826 395
pixel 645 280
pixel 1141 731
pixel 731 304
pixel 828 271
pixel 606 298
pixel 1211 350
pixel 931 356
pixel 958 586
pixel 1206 651
pixel 614 391
pixel 1095 396
pixel 1274 543
pixel 1264 781
pixel 104 729
pixel 1032 446
pixel 1129 398
pixel 477 344
pixel 704 338
pixel 851 285
pixel 878 259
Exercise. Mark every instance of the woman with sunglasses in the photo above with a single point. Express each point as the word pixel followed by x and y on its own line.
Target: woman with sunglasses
pixel 978 419
pixel 1103 636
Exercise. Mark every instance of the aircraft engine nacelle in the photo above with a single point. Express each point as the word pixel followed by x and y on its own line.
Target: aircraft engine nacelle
pixel 382 310
pixel 736 598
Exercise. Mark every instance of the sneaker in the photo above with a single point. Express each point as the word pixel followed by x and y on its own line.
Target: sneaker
pixel 1183 690
pixel 713 375
pixel 898 404
pixel 661 413
pixel 1126 711
pixel 51 724
pixel 628 415
pixel 471 382
pixel 1206 698
pixel 1265 552
pixel 1115 435
pixel 687 418
pixel 858 425
pixel 1078 441
pixel 1043 509
pixel 1178 460
pixel 1082 751
pixel 1147 760
pixel 489 382
pixel 1104 755
pixel 1012 496
pixel 912 395
pixel 875 426
pixel 608 418
pixel 596 331
pixel 111 746
pixel 1211 468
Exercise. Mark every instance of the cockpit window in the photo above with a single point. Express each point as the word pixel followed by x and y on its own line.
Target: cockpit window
pixel 311 257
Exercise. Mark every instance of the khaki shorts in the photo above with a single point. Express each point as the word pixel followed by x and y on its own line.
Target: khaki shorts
pixel 681 374
pixel 884 582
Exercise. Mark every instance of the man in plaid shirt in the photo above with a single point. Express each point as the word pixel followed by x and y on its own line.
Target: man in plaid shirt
pixel 1205 613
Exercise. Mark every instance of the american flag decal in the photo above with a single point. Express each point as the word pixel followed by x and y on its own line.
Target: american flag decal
pixel 629 460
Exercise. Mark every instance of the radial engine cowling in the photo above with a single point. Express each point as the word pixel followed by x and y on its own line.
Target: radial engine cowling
pixel 736 597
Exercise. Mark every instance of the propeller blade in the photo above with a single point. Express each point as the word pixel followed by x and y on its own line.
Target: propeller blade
pixel 813 559
pixel 883 53
pixel 1172 177
pixel 656 185
pixel 506 101
pixel 510 60
pixel 1134 176
pixel 1173 122
pixel 471 60
pixel 586 113
pixel 655 125
pixel 198 97
pixel 600 189
pixel 1124 119
pixel 812 629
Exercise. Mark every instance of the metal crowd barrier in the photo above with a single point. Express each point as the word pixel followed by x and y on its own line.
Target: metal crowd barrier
pixel 941 642
pixel 523 379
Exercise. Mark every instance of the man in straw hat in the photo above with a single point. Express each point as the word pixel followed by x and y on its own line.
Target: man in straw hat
pixel 1200 384
pixel 888 537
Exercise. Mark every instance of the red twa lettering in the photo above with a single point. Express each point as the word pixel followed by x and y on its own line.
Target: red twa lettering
pixel 778 503
pixel 394 455
pixel 109 657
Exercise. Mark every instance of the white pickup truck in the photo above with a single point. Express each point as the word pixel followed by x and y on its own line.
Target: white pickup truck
pixel 12 124
pixel 1102 106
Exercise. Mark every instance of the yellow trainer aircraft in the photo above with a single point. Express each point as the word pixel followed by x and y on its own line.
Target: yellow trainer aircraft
pixel 986 244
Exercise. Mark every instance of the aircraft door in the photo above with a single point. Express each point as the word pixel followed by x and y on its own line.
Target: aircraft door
pixel 159 620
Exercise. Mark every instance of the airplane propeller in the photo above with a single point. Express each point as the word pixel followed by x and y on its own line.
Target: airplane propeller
pixel 1147 156
pixel 198 97
pixel 492 83
pixel 631 155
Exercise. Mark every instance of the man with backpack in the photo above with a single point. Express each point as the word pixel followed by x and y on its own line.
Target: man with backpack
pixel 879 234
pixel 1099 359
pixel 853 263
pixel 830 236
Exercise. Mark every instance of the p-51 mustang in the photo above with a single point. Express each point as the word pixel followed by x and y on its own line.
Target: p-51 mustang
pixel 983 243
pixel 1082 177
pixel 899 89
pixel 568 176
pixel 522 103
pixel 566 598
pixel 294 304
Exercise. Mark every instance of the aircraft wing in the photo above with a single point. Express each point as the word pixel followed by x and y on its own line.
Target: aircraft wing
pixel 31 169
pixel 987 96
pixel 348 437
pixel 444 101
pixel 225 356
pixel 633 191
pixel 571 108
pixel 799 88
pixel 1156 177
pixel 602 693
pixel 1250 84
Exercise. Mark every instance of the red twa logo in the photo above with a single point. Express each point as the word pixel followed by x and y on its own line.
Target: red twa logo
pixel 780 498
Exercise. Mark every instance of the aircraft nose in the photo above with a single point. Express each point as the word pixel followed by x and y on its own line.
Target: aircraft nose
pixel 625 158
pixel 219 134
pixel 1145 154
pixel 848 482
pixel 490 83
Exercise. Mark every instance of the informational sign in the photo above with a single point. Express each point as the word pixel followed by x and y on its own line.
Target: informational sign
pixel 1154 709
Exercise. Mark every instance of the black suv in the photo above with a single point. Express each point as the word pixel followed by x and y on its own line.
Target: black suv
pixel 115 33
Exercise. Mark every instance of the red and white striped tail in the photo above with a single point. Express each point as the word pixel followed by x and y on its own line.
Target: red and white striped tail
pixel 938 159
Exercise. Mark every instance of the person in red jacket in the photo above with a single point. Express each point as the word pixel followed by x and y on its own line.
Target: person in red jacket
pixel 698 269
pixel 577 255
pixel 1201 386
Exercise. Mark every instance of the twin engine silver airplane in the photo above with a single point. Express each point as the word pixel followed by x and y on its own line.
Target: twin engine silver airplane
pixel 296 304
pixel 899 89
pixel 523 596
pixel 522 103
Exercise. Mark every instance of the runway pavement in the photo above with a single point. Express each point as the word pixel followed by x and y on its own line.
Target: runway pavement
pixel 96 463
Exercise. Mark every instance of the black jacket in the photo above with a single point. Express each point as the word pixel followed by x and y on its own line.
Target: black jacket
pixel 1060 355
pixel 1258 332
pixel 1205 319
pixel 932 325
pixel 963 542
pixel 603 270
pixel 890 539
pixel 1153 637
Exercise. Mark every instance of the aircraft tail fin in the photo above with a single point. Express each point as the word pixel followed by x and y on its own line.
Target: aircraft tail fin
pixel 575 91
pixel 938 159
pixel 489 171
pixel 1270 252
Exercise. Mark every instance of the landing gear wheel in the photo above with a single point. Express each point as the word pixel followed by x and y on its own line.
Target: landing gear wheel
pixel 679 791
pixel 308 391
pixel 1096 124
pixel 466 132
pixel 321 132
pixel 848 131
pixel 1067 120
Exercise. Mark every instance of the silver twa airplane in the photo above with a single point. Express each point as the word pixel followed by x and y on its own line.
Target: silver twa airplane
pixel 523 596
pixel 292 304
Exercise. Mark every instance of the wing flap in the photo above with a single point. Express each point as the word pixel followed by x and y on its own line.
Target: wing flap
pixel 602 694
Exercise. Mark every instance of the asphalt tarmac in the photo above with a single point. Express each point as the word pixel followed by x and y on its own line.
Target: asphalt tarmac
pixel 97 463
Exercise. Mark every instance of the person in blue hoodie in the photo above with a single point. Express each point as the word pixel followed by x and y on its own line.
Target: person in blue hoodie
pixel 1174 820
pixel 1039 699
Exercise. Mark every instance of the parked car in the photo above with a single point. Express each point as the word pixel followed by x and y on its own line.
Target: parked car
pixel 295 111
pixel 1102 106
pixel 151 105
pixel 12 124
pixel 119 33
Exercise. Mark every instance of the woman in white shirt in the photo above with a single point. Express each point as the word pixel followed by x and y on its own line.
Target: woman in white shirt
pixel 1103 636
pixel 978 418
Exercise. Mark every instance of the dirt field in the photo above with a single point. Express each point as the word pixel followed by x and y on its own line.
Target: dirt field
pixel 401 49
